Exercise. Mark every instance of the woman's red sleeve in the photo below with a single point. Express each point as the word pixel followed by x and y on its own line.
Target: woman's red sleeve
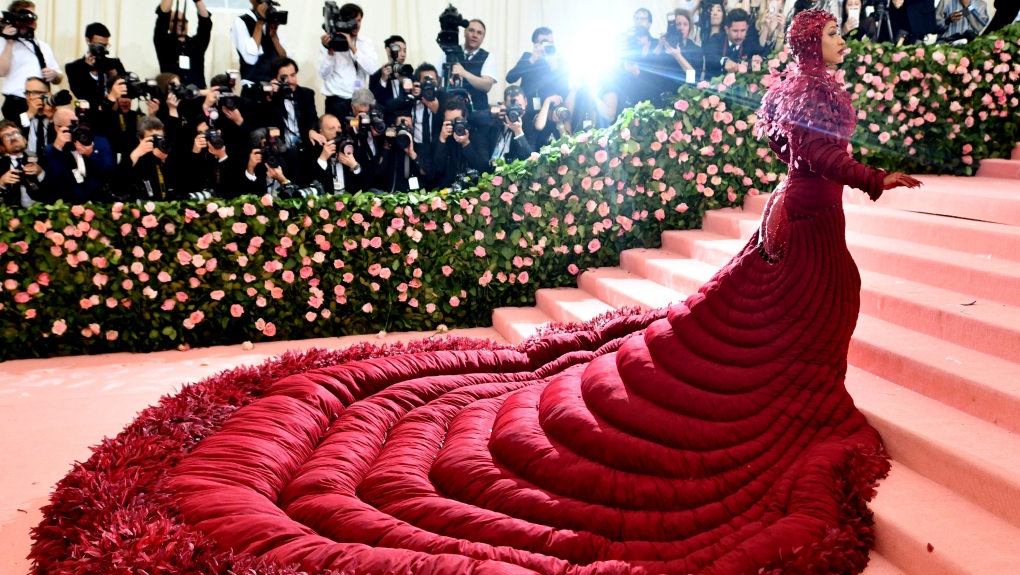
pixel 824 156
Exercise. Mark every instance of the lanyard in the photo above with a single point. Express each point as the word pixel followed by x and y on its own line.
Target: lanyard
pixel 162 183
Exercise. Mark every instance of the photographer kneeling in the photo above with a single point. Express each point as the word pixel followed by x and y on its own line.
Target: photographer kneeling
pixel 208 170
pixel 333 165
pixel 505 126
pixel 79 165
pixel 398 166
pixel 454 154
pixel 152 170
pixel 20 182
pixel 264 173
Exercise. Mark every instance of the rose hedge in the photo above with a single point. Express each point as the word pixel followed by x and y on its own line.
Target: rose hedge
pixel 93 279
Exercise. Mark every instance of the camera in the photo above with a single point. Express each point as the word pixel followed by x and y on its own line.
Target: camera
pixel 402 136
pixel 61 98
pixel 98 51
pixel 161 143
pixel 80 131
pixel 202 196
pixel 548 48
pixel 215 139
pixel 344 144
pixel 450 23
pixel 464 181
pixel 336 27
pixel 189 92
pixel 31 183
pixel 561 114
pixel 284 90
pixel 514 113
pixel 402 70
pixel 460 126
pixel 145 89
pixel 274 16
pixel 272 151
pixel 673 35
pixel 292 192
pixel 429 89
pixel 376 121
pixel 227 100
pixel 20 20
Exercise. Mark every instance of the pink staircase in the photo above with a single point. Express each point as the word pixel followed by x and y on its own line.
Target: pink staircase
pixel 935 359
pixel 1005 169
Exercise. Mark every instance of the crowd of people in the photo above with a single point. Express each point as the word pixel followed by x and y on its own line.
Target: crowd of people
pixel 386 126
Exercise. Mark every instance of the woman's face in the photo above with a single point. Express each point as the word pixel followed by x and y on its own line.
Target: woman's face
pixel 833 44
pixel 716 15
pixel 850 4
pixel 683 25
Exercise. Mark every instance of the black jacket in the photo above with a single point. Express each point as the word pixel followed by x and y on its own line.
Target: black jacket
pixel 717 47
pixel 84 86
pixel 43 140
pixel 11 195
pixel 169 49
pixel 450 159
pixel 152 179
pixel 538 80
pixel 99 171
pixel 325 177
pixel 273 114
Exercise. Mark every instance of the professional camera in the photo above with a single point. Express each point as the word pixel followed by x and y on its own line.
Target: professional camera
pixel 161 143
pixel 429 89
pixel 561 115
pixel 272 151
pixel 450 23
pixel 344 144
pixel 402 70
pixel 514 113
pixel 61 98
pixel 376 121
pixel 202 196
pixel 30 182
pixel 189 92
pixel 274 16
pixel 80 131
pixel 227 100
pixel 673 35
pixel 20 20
pixel 460 126
pixel 284 90
pixel 548 48
pixel 402 136
pixel 144 89
pixel 292 192
pixel 215 139
pixel 336 27
pixel 464 181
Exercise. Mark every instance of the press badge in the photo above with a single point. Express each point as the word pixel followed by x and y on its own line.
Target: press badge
pixel 78 177
pixel 184 62
pixel 536 103
pixel 691 76
pixel 412 183
pixel 358 85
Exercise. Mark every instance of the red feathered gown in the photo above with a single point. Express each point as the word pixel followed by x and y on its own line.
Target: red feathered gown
pixel 714 437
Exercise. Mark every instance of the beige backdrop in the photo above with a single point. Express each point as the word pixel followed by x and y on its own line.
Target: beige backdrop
pixel 510 24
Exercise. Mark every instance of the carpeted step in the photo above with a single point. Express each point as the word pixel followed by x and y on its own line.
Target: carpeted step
pixel 878 565
pixel 981 385
pixel 1015 153
pixel 711 248
pixel 981 238
pixel 925 529
pixel 980 277
pixel 568 305
pixel 982 199
pixel 996 168
pixel 517 324
pixel 982 325
pixel 756 204
pixel 678 273
pixel 971 457
pixel 731 222
pixel 619 288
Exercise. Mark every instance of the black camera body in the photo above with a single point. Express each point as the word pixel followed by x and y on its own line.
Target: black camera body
pixel 450 23
pixel 429 89
pixel 203 195
pixel 189 92
pixel 403 136
pixel 61 98
pixel 274 16
pixel 376 121
pixel 561 114
pixel 31 183
pixel 460 126
pixel 20 20
pixel 161 143
pixel 144 89
pixel 81 133
pixel 514 113
pixel 673 35
pixel 98 51
pixel 292 192
pixel 215 139
pixel 227 99
pixel 284 90
pixel 272 151
pixel 336 27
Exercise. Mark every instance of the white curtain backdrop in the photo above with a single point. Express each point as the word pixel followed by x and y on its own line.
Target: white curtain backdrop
pixel 509 22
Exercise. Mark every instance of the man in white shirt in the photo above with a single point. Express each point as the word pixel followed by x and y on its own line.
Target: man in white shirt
pixel 345 72
pixel 24 57
pixel 477 69
pixel 257 42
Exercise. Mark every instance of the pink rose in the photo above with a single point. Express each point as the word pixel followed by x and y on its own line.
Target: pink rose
pixel 270 330
pixel 455 301
pixel 367 308
pixel 236 310
pixel 59 327
pixel 217 295
pixel 480 251
pixel 239 228
pixel 497 181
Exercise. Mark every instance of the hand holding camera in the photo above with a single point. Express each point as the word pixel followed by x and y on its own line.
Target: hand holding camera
pixel 328 150
pixel 12 177
pixel 201 143
pixel 254 159
pixel 461 134
pixel 118 90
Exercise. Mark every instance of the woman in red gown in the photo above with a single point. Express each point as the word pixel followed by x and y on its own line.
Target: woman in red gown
pixel 714 437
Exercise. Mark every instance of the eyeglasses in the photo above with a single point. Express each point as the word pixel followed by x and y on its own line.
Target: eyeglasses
pixel 39 93
pixel 10 137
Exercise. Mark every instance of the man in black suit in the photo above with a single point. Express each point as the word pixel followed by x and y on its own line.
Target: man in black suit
pixel 505 139
pixel 76 172
pixel 329 165
pixel 89 76
pixel 914 18
pixel 542 72
pixel 37 121
pixel 387 83
pixel 22 176
pixel 735 48
pixel 177 52
pixel 455 153
pixel 291 108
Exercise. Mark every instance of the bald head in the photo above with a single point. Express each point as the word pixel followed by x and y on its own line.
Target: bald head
pixel 63 117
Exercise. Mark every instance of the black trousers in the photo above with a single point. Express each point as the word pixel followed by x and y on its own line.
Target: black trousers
pixel 339 107
pixel 13 108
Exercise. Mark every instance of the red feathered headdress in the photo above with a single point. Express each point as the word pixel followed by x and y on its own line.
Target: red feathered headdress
pixel 809 96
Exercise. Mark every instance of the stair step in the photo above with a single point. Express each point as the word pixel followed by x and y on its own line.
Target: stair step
pixel 619 288
pixel 676 272
pixel 973 458
pixel 982 238
pixel 980 277
pixel 986 326
pixel 995 168
pixel 878 565
pixel 912 512
pixel 982 199
pixel 1015 153
pixel 714 249
pixel 756 204
pixel 732 222
pixel 517 324
pixel 570 305
pixel 983 386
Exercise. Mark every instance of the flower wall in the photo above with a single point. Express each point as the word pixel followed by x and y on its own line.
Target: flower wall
pixel 93 279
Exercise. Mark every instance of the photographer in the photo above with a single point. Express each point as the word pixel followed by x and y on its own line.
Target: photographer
pixel 24 56
pixel 345 71
pixel 335 169
pixel 114 119
pixel 958 19
pixel 20 184
pixel 210 166
pixel 732 51
pixel 79 165
pixel 178 53
pixel 552 121
pixel 291 108
pixel 368 128
pixel 644 75
pixel 224 110
pixel 506 137
pixel 89 75
pixel 148 173
pixel 856 25
pixel 257 41
pixel 454 153
pixel 911 20
pixel 541 72
pixel 426 119
pixel 678 44
pixel 388 82
pixel 266 164
pixel 37 122
pixel 397 166
pixel 476 70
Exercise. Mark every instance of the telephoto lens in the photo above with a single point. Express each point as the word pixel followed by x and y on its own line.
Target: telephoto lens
pixel 403 137
pixel 206 194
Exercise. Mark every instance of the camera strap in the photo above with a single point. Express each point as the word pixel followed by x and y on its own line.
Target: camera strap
pixel 162 183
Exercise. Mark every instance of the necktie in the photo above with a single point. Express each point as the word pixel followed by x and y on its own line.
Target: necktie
pixel 426 126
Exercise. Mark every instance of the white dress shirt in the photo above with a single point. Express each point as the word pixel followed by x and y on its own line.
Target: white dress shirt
pixel 245 44
pixel 25 65
pixel 488 68
pixel 344 72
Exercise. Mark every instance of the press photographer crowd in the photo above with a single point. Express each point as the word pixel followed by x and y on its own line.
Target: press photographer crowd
pixel 387 126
